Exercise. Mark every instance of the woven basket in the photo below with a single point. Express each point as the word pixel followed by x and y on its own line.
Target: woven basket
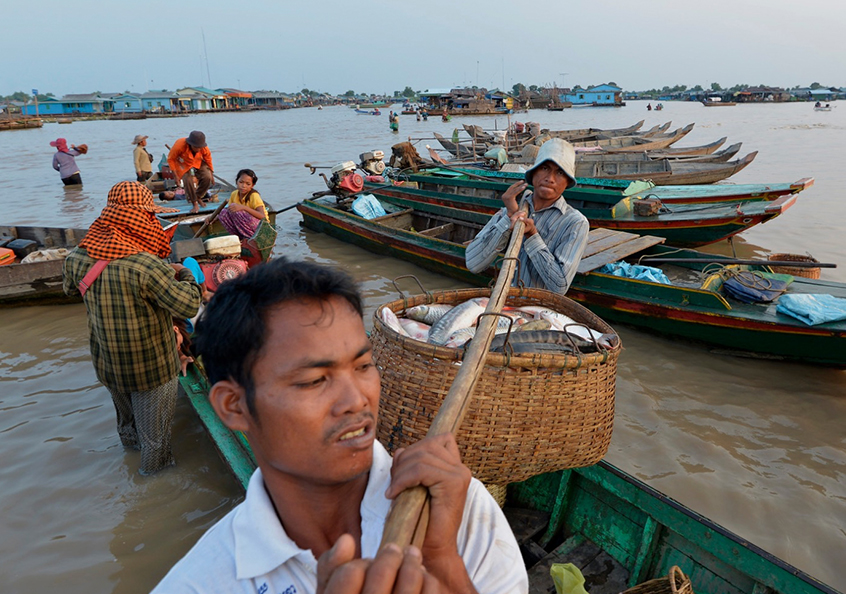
pixel 794 270
pixel 675 583
pixel 530 414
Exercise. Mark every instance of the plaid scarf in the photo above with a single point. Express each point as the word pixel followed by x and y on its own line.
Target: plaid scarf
pixel 128 225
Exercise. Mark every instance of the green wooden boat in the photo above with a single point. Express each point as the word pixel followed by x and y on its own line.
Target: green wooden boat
pixel 610 192
pixel 435 237
pixel 687 225
pixel 616 529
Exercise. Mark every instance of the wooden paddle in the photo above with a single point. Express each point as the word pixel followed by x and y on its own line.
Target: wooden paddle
pixel 211 218
pixel 409 516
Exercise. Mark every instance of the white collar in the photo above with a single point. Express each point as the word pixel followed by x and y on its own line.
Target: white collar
pixel 261 543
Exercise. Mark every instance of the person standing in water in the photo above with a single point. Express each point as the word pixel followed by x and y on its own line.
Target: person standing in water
pixel 65 163
pixel 143 159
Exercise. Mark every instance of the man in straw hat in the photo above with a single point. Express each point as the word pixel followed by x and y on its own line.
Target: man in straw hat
pixel 190 153
pixel 291 366
pixel 143 159
pixel 131 296
pixel 555 234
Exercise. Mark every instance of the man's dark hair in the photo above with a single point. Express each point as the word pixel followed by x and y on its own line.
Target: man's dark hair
pixel 232 331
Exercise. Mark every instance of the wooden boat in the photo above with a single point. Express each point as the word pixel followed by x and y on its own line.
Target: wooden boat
pixel 711 103
pixel 615 528
pixel 20 123
pixel 680 224
pixel 634 143
pixel 435 237
pixel 37 283
pixel 610 192
pixel 190 222
pixel 828 108
pixel 681 151
pixel 716 157
pixel 374 112
pixel 664 171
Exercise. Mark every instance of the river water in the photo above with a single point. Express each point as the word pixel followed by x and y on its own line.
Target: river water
pixel 758 446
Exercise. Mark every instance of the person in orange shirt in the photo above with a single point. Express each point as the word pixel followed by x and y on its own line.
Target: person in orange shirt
pixel 192 153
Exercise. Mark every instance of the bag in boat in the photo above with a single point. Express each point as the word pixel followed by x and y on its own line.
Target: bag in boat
pixel 754 287
pixel 366 206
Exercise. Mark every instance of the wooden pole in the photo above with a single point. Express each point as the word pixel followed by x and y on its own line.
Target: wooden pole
pixel 409 516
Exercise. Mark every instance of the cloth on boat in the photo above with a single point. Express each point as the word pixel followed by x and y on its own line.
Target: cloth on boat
pixel 240 223
pixel 754 287
pixel 46 255
pixel 366 206
pixel 249 551
pixel 128 225
pixel 498 154
pixel 636 271
pixel 812 309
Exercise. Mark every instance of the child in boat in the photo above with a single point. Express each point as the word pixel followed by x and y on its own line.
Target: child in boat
pixel 246 209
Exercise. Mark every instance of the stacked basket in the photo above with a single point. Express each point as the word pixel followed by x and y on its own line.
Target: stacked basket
pixel 530 413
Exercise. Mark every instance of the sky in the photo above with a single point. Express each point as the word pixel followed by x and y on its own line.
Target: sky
pixel 333 46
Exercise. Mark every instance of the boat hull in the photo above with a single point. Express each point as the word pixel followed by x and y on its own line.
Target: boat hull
pixel 686 226
pixel 673 311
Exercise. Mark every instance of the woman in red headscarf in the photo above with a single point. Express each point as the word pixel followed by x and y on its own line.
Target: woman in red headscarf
pixel 64 162
pixel 132 296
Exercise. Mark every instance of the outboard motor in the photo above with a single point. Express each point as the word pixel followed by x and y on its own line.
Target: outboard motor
pixel 344 181
pixel 372 162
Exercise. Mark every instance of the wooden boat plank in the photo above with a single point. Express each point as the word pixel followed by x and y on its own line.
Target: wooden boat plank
pixel 618 252
pixel 607 241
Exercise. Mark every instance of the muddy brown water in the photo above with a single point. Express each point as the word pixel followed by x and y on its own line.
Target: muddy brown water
pixel 757 446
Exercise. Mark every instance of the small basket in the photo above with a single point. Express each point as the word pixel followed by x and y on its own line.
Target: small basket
pixel 794 270
pixel 530 413
pixel 676 582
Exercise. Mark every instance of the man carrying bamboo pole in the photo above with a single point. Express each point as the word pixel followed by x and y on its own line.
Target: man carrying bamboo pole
pixel 555 234
pixel 290 363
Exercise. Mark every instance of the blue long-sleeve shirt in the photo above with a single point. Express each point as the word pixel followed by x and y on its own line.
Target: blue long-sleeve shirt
pixel 548 259
pixel 65 163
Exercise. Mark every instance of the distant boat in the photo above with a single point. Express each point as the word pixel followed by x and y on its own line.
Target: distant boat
pixel 368 112
pixel 716 102
pixel 826 108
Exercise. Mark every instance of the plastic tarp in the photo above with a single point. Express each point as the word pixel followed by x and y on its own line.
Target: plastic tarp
pixel 812 309
pixel 498 154
pixel 754 287
pixel 636 271
pixel 366 206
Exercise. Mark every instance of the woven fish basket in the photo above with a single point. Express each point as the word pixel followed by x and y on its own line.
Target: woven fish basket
pixel 794 270
pixel 676 582
pixel 530 413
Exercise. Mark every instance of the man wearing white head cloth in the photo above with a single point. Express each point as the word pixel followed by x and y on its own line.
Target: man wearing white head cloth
pixel 555 233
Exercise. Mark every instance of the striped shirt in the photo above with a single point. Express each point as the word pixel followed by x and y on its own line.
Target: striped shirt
pixel 548 259
pixel 130 317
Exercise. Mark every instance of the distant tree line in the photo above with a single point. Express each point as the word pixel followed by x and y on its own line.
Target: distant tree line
pixel 24 97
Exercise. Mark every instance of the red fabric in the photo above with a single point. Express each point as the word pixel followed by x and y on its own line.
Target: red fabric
pixel 128 225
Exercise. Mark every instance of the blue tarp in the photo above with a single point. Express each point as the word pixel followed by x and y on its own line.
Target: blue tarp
pixel 812 309
pixel 636 271
pixel 368 207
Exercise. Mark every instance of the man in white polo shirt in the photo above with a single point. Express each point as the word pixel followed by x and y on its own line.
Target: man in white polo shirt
pixel 290 363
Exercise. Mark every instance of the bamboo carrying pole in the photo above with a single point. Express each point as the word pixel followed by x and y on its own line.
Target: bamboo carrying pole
pixel 407 521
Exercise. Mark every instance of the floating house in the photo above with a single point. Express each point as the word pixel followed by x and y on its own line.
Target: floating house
pixel 466 101
pixel 159 101
pixel 75 104
pixel 127 103
pixel 600 95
